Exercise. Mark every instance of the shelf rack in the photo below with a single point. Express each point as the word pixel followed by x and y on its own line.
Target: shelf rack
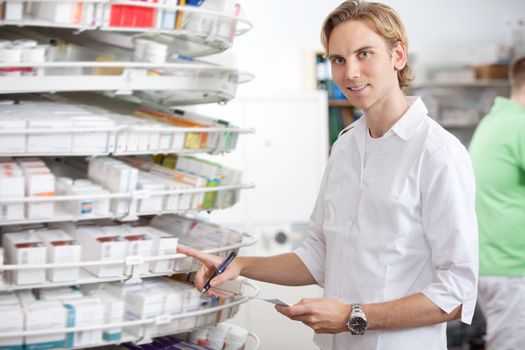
pixel 167 84
pixel 196 43
pixel 145 323
pixel 112 135
pixel 187 84
pixel 133 197
pixel 86 277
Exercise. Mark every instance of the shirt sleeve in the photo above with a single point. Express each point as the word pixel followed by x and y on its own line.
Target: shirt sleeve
pixel 312 250
pixel 450 224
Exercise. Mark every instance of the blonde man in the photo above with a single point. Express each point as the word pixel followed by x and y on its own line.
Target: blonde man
pixel 498 155
pixel 393 236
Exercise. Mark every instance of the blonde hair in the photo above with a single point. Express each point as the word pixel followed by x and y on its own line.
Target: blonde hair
pixel 386 23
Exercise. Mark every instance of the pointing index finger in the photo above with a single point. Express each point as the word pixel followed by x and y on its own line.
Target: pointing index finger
pixel 205 258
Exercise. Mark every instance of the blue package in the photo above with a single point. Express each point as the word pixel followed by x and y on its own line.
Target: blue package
pixel 194 2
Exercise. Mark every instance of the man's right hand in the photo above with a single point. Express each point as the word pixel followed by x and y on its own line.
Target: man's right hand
pixel 210 263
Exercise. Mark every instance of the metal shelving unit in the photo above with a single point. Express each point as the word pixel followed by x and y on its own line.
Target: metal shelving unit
pixel 169 84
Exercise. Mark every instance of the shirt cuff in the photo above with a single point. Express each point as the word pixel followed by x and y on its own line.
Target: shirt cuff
pixel 308 260
pixel 448 303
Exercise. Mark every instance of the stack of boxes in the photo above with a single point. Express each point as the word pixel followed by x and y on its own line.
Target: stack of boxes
pixel 39 182
pixel 125 245
pixel 135 135
pixel 47 117
pixel 12 184
pixel 116 176
pixel 59 308
pixel 40 247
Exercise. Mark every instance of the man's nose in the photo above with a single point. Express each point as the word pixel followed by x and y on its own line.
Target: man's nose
pixel 352 70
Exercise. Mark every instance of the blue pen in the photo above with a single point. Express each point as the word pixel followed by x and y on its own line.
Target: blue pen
pixel 219 270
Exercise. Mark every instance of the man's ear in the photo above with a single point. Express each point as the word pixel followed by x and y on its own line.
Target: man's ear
pixel 399 55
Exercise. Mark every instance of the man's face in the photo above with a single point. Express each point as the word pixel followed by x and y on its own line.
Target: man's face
pixel 363 66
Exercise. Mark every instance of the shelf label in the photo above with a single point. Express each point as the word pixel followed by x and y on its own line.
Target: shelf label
pixel 134 260
pixel 141 194
pixel 162 319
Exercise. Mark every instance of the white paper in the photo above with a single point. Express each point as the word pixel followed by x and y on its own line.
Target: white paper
pixel 276 301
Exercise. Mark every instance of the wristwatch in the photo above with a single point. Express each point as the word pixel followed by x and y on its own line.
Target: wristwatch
pixel 357 323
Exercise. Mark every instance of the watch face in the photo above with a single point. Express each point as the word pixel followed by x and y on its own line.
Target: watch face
pixel 358 324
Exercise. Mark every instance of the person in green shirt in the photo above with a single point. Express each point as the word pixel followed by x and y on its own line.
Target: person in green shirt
pixel 498 156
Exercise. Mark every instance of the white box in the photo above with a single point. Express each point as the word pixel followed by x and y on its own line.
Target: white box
pixel 120 290
pixel 100 246
pixel 176 225
pixel 13 317
pixel 1 272
pixel 168 18
pixel 13 11
pixel 57 12
pixel 39 183
pixel 85 312
pixel 91 142
pixel 87 205
pixel 24 248
pixel 144 303
pixel 138 245
pixel 143 141
pixel 121 178
pixel 149 183
pixel 8 299
pixel 164 140
pixel 177 141
pixel 12 184
pixel 162 243
pixel 113 313
pixel 154 140
pixel 15 143
pixel 49 142
pixel 26 297
pixel 41 315
pixel 102 205
pixel 132 144
pixel 60 293
pixel 61 248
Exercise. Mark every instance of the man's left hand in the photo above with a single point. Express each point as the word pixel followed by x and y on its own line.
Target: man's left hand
pixel 321 314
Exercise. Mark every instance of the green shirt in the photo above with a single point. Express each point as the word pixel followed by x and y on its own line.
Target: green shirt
pixel 498 156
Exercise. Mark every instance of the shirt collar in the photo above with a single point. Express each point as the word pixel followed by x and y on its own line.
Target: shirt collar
pixel 407 125
pixel 503 104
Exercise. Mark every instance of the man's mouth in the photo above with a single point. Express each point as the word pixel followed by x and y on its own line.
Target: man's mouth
pixel 357 87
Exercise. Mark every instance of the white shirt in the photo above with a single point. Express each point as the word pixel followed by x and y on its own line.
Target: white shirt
pixel 404 223
pixel 371 144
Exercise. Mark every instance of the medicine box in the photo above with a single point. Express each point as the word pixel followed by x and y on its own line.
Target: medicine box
pixel 149 184
pixel 113 313
pixel 14 143
pixel 25 297
pixel 98 245
pixel 94 141
pixel 41 315
pixel 84 312
pixel 39 183
pixel 137 245
pixel 15 316
pixel 47 142
pixel 13 11
pixel 12 184
pixel 162 243
pixel 61 248
pixel 24 248
pixel 1 272
pixel 59 293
